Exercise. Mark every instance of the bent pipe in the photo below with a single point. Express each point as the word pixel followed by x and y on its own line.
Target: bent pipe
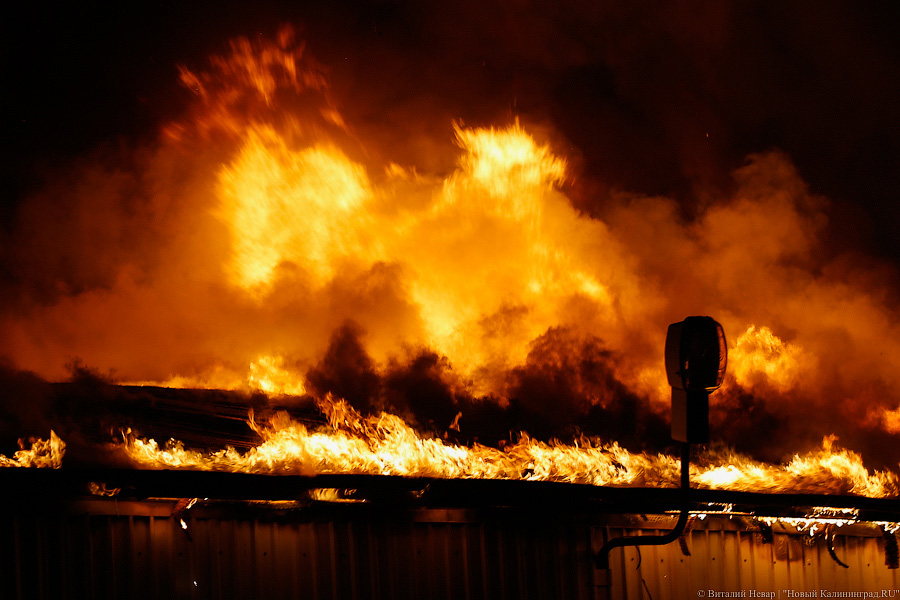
pixel 601 559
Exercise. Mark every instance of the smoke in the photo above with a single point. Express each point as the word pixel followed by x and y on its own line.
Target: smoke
pixel 538 308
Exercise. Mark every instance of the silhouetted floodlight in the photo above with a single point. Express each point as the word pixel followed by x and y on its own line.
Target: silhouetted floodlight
pixel 696 356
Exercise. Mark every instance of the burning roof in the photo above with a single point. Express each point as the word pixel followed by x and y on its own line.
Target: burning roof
pixel 459 316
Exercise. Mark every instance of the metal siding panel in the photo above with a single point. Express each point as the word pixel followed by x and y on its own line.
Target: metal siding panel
pixel 653 570
pixel 433 561
pixel 407 562
pixel 780 565
pixel 831 575
pixel 547 571
pixel 19 557
pixel 385 549
pixel 794 561
pixel 289 542
pixel 763 565
pixel 308 571
pixel 731 558
pixel 810 568
pixel 475 561
pixel 516 540
pixel 865 564
pixel 390 571
pixel 672 568
pixel 583 553
pixel 369 561
pixel 745 553
pixel 697 571
pixel 262 550
pixel 632 561
pixel 183 582
pixel 345 565
pixel 680 573
pixel 852 556
pixel 564 564
pixel 494 575
pixel 457 563
pixel 494 557
pixel 217 563
pixel 719 566
pixel 421 575
pixel 109 556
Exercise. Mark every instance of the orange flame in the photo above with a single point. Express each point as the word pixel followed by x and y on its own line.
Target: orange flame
pixel 290 206
pixel 759 356
pixel 386 445
pixel 42 454
pixel 290 236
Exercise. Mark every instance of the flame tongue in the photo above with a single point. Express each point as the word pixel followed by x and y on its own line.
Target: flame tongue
pixel 385 445
pixel 42 454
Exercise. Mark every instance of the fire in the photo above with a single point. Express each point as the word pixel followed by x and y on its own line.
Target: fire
pixel 385 445
pixel 828 469
pixel 760 356
pixel 244 86
pixel 42 454
pixel 889 419
pixel 290 206
pixel 506 163
pixel 269 229
pixel 268 374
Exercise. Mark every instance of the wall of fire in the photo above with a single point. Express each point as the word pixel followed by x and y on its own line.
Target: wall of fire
pixel 131 549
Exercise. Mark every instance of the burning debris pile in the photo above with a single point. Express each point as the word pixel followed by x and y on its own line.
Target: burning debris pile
pixel 436 318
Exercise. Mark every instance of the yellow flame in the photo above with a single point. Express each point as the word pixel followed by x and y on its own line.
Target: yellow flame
pixel 286 206
pixel 507 162
pixel 268 374
pixel 760 355
pixel 42 454
pixel 386 445
pixel 488 259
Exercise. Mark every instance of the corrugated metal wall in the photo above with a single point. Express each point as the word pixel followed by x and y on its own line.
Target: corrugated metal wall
pixel 138 550
pixel 150 556
pixel 727 557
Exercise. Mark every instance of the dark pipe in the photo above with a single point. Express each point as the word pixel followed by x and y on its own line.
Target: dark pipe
pixel 601 559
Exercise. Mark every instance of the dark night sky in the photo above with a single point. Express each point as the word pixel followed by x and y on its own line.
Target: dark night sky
pixel 667 100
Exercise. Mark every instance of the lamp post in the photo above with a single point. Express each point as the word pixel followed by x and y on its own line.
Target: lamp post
pixel 695 358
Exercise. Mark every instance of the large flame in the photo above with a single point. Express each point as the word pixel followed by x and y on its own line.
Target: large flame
pixel 385 445
pixel 268 232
